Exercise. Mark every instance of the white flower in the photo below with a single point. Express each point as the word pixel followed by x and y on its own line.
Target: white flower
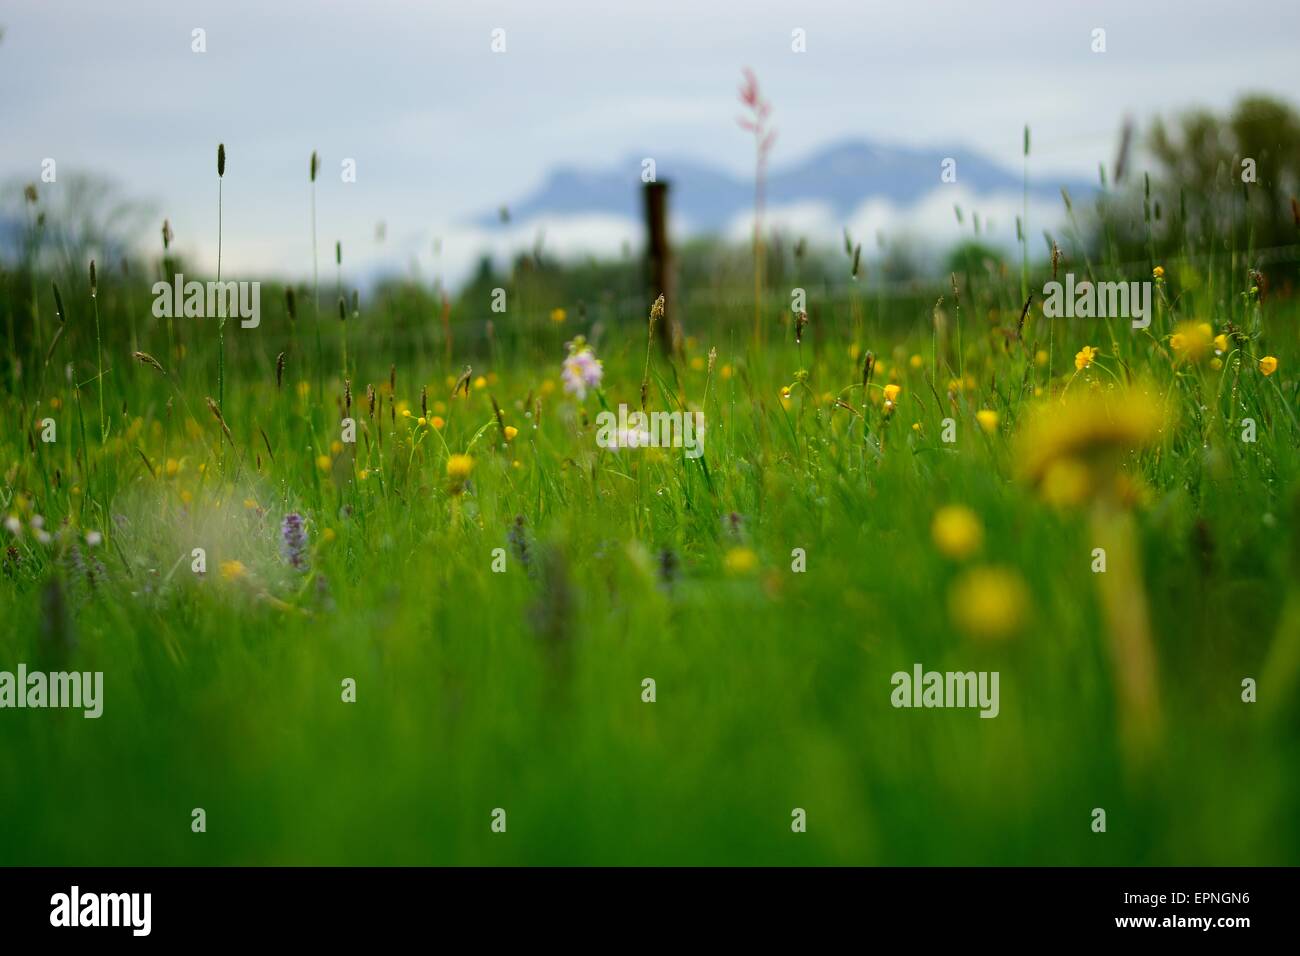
pixel 94 539
pixel 14 525
pixel 581 371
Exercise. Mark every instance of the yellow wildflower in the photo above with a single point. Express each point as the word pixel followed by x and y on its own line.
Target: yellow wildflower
pixel 988 419
pixel 1192 341
pixel 740 561
pixel 957 531
pixel 1268 365
pixel 989 603
pixel 1091 432
pixel 459 467
pixel 1083 358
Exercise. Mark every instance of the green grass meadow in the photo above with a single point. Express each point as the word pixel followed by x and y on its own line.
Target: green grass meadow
pixel 523 689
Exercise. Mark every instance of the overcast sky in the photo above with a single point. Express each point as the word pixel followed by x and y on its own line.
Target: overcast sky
pixel 442 128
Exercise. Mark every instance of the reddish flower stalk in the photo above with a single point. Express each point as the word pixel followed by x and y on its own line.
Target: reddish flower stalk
pixel 756 121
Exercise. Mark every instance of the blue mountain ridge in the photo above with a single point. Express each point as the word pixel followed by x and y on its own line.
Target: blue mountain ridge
pixel 842 176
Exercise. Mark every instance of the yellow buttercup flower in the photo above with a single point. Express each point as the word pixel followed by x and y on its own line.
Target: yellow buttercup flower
pixel 988 419
pixel 323 462
pixel 1221 342
pixel 1072 447
pixel 558 315
pixel 1268 364
pixel 1083 358
pixel 989 603
pixel 916 361
pixel 740 561
pixel 1158 272
pixel 891 394
pixel 1066 483
pixel 459 467
pixel 1192 341
pixel 437 421
pixel 233 570
pixel 511 432
pixel 957 531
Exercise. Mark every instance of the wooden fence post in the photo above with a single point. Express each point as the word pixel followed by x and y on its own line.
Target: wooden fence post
pixel 660 265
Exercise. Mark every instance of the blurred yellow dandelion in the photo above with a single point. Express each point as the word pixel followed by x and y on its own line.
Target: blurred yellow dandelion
pixel 459 467
pixel 740 560
pixel 957 531
pixel 989 603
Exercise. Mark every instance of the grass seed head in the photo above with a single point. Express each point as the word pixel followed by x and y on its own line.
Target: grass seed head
pixel 144 358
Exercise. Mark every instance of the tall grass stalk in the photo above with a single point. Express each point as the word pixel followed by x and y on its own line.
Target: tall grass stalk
pixel 221 324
